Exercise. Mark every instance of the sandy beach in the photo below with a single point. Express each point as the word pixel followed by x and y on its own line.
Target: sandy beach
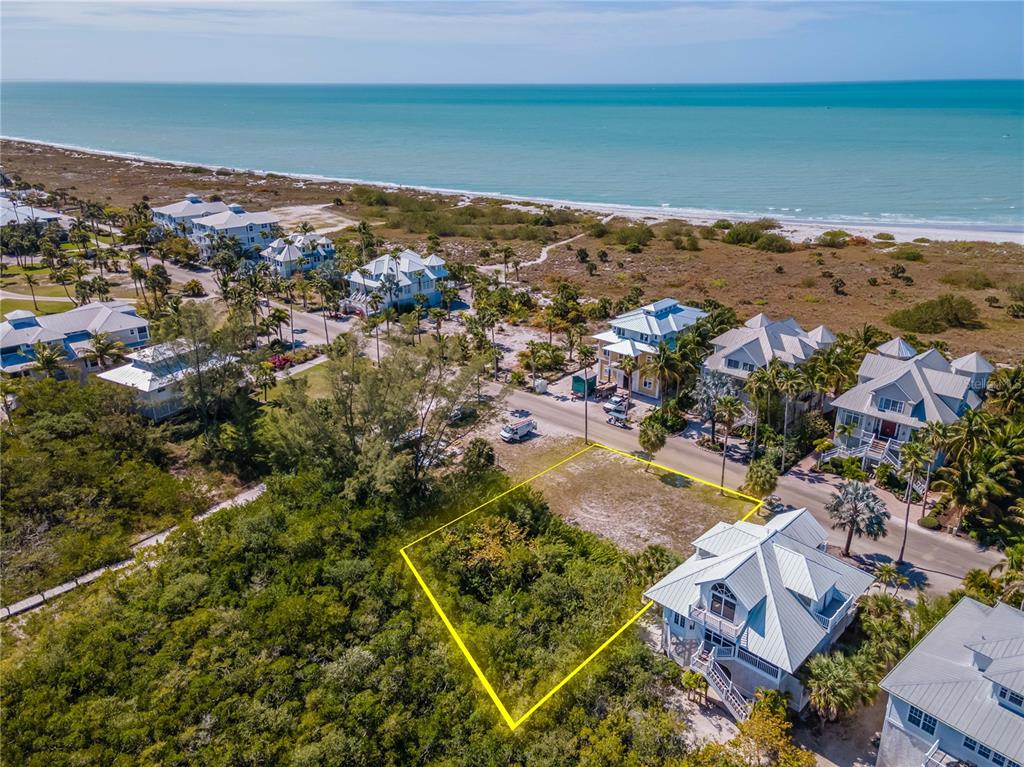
pixel 793 227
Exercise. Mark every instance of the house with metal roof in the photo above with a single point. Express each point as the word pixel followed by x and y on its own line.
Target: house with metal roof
pixel 300 251
pixel 156 375
pixel 252 230
pixel 396 280
pixel 14 212
pixel 753 603
pixel 637 334
pixel 899 391
pixel 72 330
pixel 957 698
pixel 740 351
pixel 178 216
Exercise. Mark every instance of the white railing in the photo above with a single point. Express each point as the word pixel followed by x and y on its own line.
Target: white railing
pixel 714 622
pixel 761 665
pixel 704 662
pixel 829 622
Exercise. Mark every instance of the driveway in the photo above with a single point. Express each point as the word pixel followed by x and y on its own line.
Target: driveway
pixel 937 561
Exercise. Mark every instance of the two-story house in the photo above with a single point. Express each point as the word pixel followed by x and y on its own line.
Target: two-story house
pixel 178 216
pixel 252 230
pixel 899 391
pixel 396 280
pixel 754 603
pixel 157 375
pixel 72 331
pixel 301 250
pixel 740 351
pixel 958 697
pixel 637 334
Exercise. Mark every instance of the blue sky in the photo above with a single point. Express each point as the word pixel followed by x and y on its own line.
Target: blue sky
pixel 503 42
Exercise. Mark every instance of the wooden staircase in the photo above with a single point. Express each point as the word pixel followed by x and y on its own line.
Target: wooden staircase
pixel 704 662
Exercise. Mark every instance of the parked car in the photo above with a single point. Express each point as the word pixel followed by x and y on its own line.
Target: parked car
pixel 517 431
pixel 617 404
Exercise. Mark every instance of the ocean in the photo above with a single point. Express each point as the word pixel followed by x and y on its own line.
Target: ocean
pixel 949 153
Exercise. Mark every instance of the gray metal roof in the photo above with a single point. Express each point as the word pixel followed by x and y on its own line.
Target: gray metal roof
pixel 766 567
pixel 661 319
pixel 939 676
pixel 761 340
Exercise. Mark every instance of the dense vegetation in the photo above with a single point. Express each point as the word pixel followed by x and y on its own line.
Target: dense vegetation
pixel 82 474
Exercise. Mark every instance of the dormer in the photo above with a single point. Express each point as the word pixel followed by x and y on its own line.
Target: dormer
pixel 21 318
pixel 236 208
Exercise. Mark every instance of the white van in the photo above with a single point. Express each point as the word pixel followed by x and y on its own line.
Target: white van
pixel 517 431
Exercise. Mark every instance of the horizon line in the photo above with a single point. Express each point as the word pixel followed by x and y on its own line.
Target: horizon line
pixel 4 80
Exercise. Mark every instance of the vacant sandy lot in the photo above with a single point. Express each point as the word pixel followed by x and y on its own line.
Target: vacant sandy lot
pixel 615 497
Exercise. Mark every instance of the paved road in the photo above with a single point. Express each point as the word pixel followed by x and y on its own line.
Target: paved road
pixel 938 560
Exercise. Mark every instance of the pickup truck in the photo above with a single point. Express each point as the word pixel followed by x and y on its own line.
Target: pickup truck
pixel 517 431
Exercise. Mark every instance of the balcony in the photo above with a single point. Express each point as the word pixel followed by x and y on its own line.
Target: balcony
pixel 833 612
pixel 936 757
pixel 716 623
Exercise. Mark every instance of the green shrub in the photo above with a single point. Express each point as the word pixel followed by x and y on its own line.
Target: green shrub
pixel 972 279
pixel 743 234
pixel 922 240
pixel 906 253
pixel 1016 291
pixel 722 223
pixel 884 236
pixel 773 243
pixel 929 522
pixel 634 234
pixel 1016 311
pixel 937 315
pixel 834 238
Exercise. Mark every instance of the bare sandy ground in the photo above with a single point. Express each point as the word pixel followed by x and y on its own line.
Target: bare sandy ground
pixel 322 217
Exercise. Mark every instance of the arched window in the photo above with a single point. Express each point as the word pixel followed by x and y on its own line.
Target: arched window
pixel 723 601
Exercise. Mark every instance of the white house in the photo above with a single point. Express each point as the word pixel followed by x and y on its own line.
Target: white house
pixel 252 230
pixel 72 330
pixel 15 212
pixel 740 351
pixel 899 391
pixel 156 375
pixel 637 334
pixel 754 603
pixel 178 216
pixel 396 279
pixel 958 697
pixel 285 254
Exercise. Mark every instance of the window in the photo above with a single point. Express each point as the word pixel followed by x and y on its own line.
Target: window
pixel 723 602
pixel 890 405
pixel 970 744
pixel 679 620
pixel 731 363
pixel 923 721
pixel 1013 698
pixel 717 639
pixel 998 759
pixel 851 419
pixel 748 367
pixel 648 383
pixel 984 752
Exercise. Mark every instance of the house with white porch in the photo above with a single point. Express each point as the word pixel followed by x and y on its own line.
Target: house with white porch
pixel 178 216
pixel 299 251
pixel 738 352
pixel 958 697
pixel 157 376
pixel 899 391
pixel 396 279
pixel 637 334
pixel 753 603
pixel 72 331
pixel 252 230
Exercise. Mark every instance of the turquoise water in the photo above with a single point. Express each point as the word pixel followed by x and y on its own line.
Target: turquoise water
pixel 950 152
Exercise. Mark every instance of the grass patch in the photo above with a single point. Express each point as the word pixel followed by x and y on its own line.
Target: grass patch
pixel 316 379
pixel 970 279
pixel 939 314
pixel 45 307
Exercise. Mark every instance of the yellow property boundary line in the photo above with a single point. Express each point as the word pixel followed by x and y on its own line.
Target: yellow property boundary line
pixel 505 715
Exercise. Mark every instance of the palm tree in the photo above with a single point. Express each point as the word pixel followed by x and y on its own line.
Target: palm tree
pixel 760 385
pixel 831 689
pixel 936 436
pixel 628 366
pixel 791 384
pixel 856 509
pixel 730 410
pixel 276 319
pixel 1006 390
pixel 32 283
pixel 49 360
pixel 913 459
pixel 969 433
pixel 106 349
pixel 652 438
pixel 530 356
pixel 374 301
pixel 587 356
pixel 662 366
pixel 265 378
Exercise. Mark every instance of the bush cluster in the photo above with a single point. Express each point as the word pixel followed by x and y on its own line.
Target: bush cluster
pixel 939 314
